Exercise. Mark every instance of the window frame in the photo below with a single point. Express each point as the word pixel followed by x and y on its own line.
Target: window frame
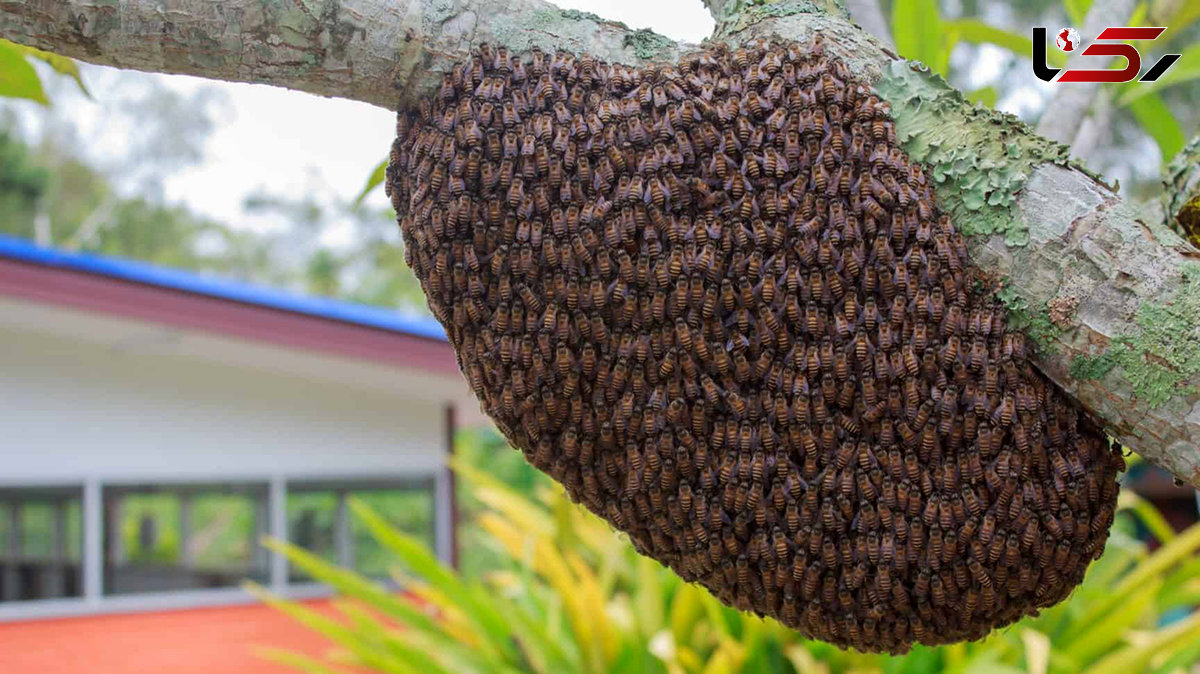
pixel 95 600
pixel 48 491
pixel 343 539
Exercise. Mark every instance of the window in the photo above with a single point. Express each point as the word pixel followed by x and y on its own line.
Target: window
pixel 167 538
pixel 41 538
pixel 183 537
pixel 319 520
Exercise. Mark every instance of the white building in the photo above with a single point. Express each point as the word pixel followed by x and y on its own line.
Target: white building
pixel 155 423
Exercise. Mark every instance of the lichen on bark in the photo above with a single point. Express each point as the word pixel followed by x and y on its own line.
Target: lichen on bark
pixel 737 15
pixel 1162 352
pixel 979 159
pixel 1034 321
pixel 649 45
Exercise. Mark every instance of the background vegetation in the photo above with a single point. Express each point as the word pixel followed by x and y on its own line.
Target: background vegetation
pixel 561 592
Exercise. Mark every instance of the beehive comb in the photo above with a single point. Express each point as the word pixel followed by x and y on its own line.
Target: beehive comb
pixel 718 303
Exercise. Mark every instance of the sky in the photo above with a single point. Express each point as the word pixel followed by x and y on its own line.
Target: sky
pixel 340 140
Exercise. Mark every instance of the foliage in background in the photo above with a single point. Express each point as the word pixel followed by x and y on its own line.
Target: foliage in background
pixel 932 38
pixel 572 596
pixel 52 195
pixel 55 193
pixel 47 189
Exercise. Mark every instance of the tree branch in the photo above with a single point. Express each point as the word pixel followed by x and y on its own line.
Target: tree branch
pixel 385 52
pixel 1112 299
pixel 1181 190
pixel 1096 127
pixel 1065 112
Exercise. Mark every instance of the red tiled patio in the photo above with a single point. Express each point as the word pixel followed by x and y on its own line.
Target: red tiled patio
pixel 199 641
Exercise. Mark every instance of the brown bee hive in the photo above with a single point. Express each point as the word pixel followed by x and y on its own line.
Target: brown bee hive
pixel 718 303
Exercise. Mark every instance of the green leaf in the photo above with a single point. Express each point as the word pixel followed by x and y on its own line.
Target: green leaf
pixel 975 31
pixel 1154 566
pixel 61 64
pixel 1109 632
pixel 984 95
pixel 1149 516
pixel 1188 13
pixel 367 626
pixel 1186 69
pixel 473 601
pixel 418 623
pixel 917 30
pixel 374 180
pixel 297 661
pixel 18 79
pixel 1165 642
pixel 1183 660
pixel 1156 118
pixel 332 630
pixel 1138 17
pixel 1077 10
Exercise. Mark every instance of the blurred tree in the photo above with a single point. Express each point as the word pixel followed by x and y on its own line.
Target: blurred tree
pixel 22 181
pixel 1124 131
pixel 366 262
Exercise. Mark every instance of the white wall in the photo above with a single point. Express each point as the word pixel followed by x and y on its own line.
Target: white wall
pixel 94 400
pixel 71 409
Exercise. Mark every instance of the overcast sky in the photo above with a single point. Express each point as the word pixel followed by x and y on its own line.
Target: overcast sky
pixel 286 141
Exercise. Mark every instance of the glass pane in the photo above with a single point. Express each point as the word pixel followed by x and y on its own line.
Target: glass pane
pixel 149 528
pixel 409 510
pixel 183 537
pixel 37 529
pixel 39 549
pixel 223 531
pixel 74 530
pixel 311 516
pixel 5 529
pixel 316 523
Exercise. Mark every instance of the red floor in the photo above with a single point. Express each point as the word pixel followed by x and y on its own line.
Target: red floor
pixel 202 641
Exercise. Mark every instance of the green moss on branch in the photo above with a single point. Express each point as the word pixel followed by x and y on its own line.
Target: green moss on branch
pixel 979 159
pixel 737 15
pixel 1035 322
pixel 649 45
pixel 1162 354
pixel 1090 368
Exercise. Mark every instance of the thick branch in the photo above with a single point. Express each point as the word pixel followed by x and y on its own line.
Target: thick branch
pixel 384 52
pixel 1071 102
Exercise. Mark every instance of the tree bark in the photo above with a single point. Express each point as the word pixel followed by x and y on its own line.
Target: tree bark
pixel 1112 298
pixel 1181 191
pixel 384 52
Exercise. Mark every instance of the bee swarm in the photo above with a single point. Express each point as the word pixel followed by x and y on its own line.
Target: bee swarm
pixel 718 303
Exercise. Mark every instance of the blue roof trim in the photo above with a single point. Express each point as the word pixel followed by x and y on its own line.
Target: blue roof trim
pixel 148 274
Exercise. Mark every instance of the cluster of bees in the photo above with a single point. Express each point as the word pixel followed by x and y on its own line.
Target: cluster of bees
pixel 717 302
